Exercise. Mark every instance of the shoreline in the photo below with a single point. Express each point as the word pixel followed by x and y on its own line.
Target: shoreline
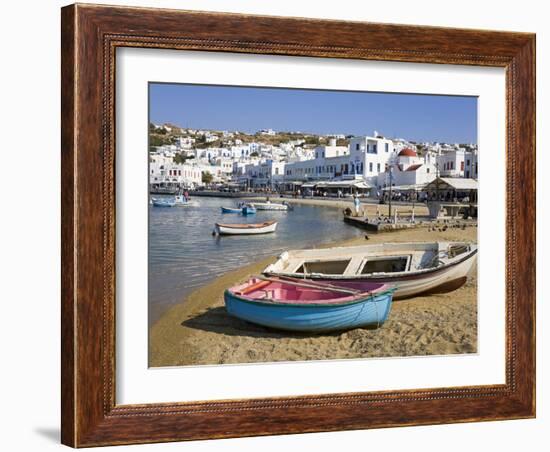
pixel 199 331
pixel 341 203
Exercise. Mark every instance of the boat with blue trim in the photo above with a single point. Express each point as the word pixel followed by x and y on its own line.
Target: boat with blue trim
pixel 231 209
pixel 248 209
pixel 310 306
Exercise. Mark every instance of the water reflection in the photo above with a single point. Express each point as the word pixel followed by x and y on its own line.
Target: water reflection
pixel 183 254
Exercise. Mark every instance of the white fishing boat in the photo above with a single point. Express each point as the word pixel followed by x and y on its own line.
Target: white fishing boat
pixel 413 268
pixel 268 205
pixel 245 228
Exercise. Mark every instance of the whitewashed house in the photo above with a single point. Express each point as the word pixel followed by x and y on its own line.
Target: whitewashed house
pixel 408 169
pixel 170 174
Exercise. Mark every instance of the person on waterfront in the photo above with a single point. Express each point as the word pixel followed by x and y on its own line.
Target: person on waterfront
pixel 356 203
pixel 186 195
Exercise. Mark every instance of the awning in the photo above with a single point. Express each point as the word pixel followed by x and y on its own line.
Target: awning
pixel 452 183
pixel 344 184
pixel 404 187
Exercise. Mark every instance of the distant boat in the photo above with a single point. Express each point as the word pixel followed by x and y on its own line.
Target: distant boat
pixel 309 306
pixel 231 209
pixel 242 229
pixel 413 268
pixel 248 209
pixel 163 202
pixel 270 206
pixel 182 201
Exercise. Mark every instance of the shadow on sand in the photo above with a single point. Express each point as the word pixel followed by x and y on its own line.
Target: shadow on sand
pixel 217 320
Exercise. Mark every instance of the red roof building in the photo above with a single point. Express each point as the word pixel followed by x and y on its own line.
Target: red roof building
pixel 407 152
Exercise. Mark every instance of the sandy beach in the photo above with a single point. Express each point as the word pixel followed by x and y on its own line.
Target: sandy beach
pixel 199 331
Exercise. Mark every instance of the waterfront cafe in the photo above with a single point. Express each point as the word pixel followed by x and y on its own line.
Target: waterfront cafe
pixel 452 197
pixel 452 189
pixel 334 188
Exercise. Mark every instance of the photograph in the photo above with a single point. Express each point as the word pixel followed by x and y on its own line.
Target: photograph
pixel 290 224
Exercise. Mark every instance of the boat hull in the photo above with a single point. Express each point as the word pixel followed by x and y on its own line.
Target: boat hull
pixel 371 312
pixel 230 210
pixel 158 203
pixel 247 210
pixel 222 229
pixel 439 279
pixel 270 206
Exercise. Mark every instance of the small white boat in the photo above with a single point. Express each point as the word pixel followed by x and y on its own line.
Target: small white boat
pixel 181 201
pixel 268 205
pixel 163 202
pixel 245 228
pixel 413 268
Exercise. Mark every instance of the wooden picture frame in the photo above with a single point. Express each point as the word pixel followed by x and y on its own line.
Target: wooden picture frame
pixel 90 36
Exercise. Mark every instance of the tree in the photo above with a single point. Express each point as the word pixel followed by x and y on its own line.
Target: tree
pixel 157 140
pixel 312 140
pixel 179 159
pixel 206 177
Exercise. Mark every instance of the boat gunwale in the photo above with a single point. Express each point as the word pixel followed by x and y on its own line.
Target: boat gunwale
pixel 363 297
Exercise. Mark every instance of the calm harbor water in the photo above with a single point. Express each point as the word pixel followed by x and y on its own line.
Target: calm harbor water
pixel 183 254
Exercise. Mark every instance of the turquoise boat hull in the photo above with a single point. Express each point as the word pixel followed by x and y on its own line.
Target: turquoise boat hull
pixel 247 210
pixel 369 312
pixel 230 210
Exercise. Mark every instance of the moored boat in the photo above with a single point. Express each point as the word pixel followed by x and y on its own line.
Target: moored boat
pixel 308 306
pixel 268 205
pixel 248 209
pixel 413 268
pixel 163 202
pixel 245 228
pixel 182 201
pixel 231 209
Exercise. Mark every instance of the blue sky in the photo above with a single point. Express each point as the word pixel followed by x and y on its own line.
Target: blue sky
pixel 410 116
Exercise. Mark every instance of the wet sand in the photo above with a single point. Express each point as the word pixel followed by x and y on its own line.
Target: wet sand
pixel 199 331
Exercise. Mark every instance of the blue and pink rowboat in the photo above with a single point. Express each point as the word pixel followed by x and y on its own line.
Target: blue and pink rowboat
pixel 310 306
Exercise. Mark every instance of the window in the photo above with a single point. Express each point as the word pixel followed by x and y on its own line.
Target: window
pixel 387 148
pixel 462 165
pixel 378 165
pixel 357 146
pixel 427 170
pixel 370 167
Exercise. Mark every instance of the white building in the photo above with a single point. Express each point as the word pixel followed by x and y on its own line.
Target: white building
pixel 226 165
pixel 365 158
pixel 408 169
pixel 166 174
pixel 266 174
pixel 267 132
pixel 471 164
pixel 452 163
